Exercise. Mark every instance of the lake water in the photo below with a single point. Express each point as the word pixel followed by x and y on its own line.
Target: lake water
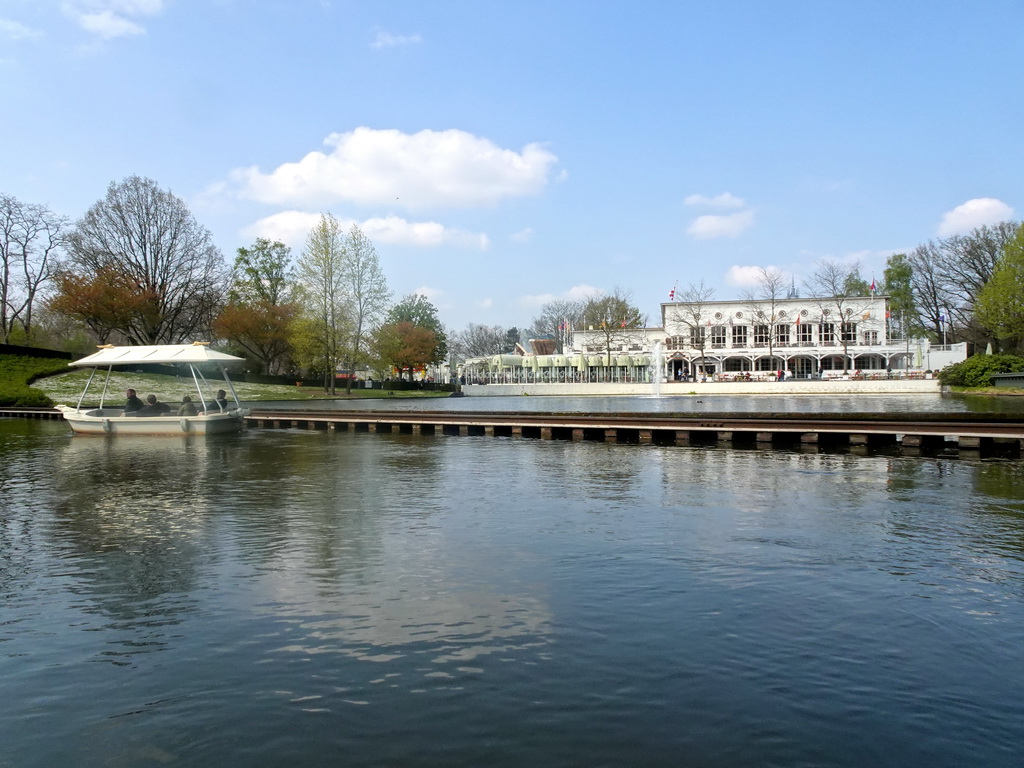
pixel 691 403
pixel 292 598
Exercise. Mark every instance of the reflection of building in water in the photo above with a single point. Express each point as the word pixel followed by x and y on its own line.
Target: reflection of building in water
pixel 725 340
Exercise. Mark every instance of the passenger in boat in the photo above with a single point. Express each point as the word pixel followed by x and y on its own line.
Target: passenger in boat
pixel 133 404
pixel 188 408
pixel 153 408
pixel 220 403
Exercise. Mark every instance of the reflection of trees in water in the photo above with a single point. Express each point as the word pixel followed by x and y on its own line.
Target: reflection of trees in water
pixel 130 513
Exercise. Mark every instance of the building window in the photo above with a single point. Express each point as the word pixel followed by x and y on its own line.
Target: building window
pixel 782 335
pixel 718 336
pixel 739 335
pixel 828 333
pixel 805 334
pixel 697 336
pixel 675 342
pixel 761 336
pixel 870 337
pixel 849 333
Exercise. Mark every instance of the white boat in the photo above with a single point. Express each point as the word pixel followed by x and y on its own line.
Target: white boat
pixel 212 418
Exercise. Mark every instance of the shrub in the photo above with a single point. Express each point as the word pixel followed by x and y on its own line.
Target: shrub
pixel 977 371
pixel 26 397
pixel 17 371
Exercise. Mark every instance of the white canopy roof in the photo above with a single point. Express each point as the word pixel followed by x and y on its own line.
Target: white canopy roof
pixel 163 353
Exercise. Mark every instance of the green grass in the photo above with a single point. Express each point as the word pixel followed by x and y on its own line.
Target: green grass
pixel 66 388
pixel 16 371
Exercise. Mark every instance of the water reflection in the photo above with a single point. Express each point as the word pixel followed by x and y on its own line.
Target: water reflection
pixel 695 404
pixel 308 597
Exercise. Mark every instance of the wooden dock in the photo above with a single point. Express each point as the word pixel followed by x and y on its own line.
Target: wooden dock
pixel 966 433
pixel 989 434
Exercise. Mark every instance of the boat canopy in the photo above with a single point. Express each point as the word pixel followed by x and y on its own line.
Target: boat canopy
pixel 163 353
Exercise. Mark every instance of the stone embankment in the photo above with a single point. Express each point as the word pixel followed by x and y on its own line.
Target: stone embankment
pixel 792 387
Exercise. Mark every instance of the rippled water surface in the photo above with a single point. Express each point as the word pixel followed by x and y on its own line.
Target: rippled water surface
pixel 682 403
pixel 286 598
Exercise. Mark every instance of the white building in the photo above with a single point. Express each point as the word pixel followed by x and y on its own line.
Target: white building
pixel 804 337
pixel 730 340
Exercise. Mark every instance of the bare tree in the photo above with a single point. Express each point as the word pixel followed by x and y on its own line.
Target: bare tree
pixel 834 289
pixel 557 319
pixel 694 314
pixel 366 292
pixel 928 286
pixel 321 278
pixel 148 236
pixel 479 341
pixel 964 264
pixel 765 305
pixel 30 239
pixel 612 317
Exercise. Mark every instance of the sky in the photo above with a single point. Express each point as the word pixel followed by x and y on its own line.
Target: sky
pixel 504 153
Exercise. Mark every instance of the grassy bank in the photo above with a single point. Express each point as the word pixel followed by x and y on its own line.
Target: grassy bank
pixel 16 374
pixel 66 388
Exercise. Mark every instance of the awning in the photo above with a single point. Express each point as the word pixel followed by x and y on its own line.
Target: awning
pixel 162 353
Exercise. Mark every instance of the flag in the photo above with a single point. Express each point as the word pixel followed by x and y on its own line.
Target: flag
pixel 798 319
pixel 872 286
pixel 672 295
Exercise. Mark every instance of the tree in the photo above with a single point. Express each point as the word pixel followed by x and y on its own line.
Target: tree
pixel 948 275
pixel 30 238
pixel 262 273
pixel 148 239
pixel 259 311
pixel 367 295
pixel 692 313
pixel 417 309
pixel 765 304
pixel 898 285
pixel 837 290
pixel 612 317
pixel 479 341
pixel 406 346
pixel 512 338
pixel 105 302
pixel 321 277
pixel 928 289
pixel 556 320
pixel 1000 303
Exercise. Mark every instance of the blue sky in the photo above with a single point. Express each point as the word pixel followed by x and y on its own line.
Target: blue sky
pixel 502 154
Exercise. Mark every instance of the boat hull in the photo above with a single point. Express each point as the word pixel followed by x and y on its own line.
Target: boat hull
pixel 97 422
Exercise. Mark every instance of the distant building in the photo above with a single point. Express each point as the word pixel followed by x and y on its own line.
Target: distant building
pixel 722 340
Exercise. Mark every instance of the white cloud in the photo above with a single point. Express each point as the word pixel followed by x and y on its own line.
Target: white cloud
pixel 428 169
pixel 742 276
pixel 576 293
pixel 15 30
pixel 485 303
pixel 433 295
pixel 109 19
pixel 398 231
pixel 387 40
pixel 292 228
pixel 724 200
pixel 973 214
pixel 712 226
pixel 522 236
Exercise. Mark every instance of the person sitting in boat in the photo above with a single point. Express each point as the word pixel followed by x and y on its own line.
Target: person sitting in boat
pixel 153 408
pixel 220 403
pixel 133 404
pixel 188 408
